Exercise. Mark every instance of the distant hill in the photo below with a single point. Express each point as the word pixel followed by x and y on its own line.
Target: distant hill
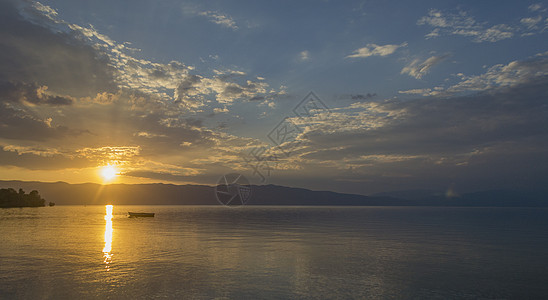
pixel 124 194
pixel 168 194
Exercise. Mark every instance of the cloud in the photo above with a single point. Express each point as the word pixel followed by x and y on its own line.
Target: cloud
pixel 304 55
pixel 175 81
pixel 20 124
pixel 157 82
pixel 176 176
pixel 220 19
pixel 149 135
pixel 66 65
pixel 187 90
pixel 452 125
pixel 500 75
pixel 362 96
pixel 118 155
pixel 424 92
pixel 418 69
pixel 462 24
pixel 479 139
pixel 375 50
pixel 44 11
pixel 430 140
pixel 531 23
pixel 36 158
pixel 30 94
pixel 492 34
pixel 535 7
pixel 104 98
pixel 219 110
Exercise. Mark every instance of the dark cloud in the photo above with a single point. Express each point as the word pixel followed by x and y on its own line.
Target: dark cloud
pixel 163 136
pixel 42 161
pixel 490 137
pixel 24 92
pixel 357 97
pixel 363 96
pixel 18 124
pixel 451 125
pixel 257 98
pixel 208 179
pixel 32 52
pixel 167 71
pixel 187 91
pixel 164 176
pixel 188 85
pixel 158 74
pixel 233 90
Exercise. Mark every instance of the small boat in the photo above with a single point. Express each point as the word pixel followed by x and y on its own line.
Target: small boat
pixel 136 214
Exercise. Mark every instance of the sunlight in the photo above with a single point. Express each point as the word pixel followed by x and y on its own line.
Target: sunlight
pixel 109 172
pixel 108 237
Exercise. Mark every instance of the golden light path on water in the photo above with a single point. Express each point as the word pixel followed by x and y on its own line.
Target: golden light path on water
pixel 108 237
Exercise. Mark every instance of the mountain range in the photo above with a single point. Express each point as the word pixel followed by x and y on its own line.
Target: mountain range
pixel 169 194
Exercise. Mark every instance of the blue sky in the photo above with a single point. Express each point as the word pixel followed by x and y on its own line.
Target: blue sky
pixel 436 94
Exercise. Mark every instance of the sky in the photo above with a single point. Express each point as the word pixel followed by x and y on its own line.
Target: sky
pixel 349 96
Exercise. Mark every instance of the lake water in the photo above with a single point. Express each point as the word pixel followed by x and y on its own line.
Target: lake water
pixel 196 252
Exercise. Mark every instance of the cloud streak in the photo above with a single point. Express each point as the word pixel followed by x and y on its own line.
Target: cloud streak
pixel 500 75
pixel 219 19
pixel 462 24
pixel 418 68
pixel 375 50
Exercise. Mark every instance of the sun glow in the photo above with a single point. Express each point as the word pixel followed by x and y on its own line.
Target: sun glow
pixel 109 172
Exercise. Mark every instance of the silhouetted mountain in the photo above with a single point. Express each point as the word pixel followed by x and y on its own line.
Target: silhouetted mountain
pixel 281 195
pixel 168 194
pixel 124 194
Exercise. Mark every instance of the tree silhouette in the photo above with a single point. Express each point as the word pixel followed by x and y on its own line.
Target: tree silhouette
pixel 11 198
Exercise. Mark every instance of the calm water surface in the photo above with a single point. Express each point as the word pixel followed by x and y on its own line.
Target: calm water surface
pixel 185 252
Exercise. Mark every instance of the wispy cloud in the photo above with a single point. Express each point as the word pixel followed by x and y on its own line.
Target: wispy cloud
pixel 418 69
pixel 375 50
pixel 219 18
pixel 531 23
pixel 511 74
pixel 304 55
pixel 462 24
pixel 424 92
pixel 500 75
pixel 536 7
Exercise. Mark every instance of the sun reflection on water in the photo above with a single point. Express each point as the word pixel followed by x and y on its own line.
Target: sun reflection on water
pixel 108 237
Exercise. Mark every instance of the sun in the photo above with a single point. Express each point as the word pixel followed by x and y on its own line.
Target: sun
pixel 109 172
